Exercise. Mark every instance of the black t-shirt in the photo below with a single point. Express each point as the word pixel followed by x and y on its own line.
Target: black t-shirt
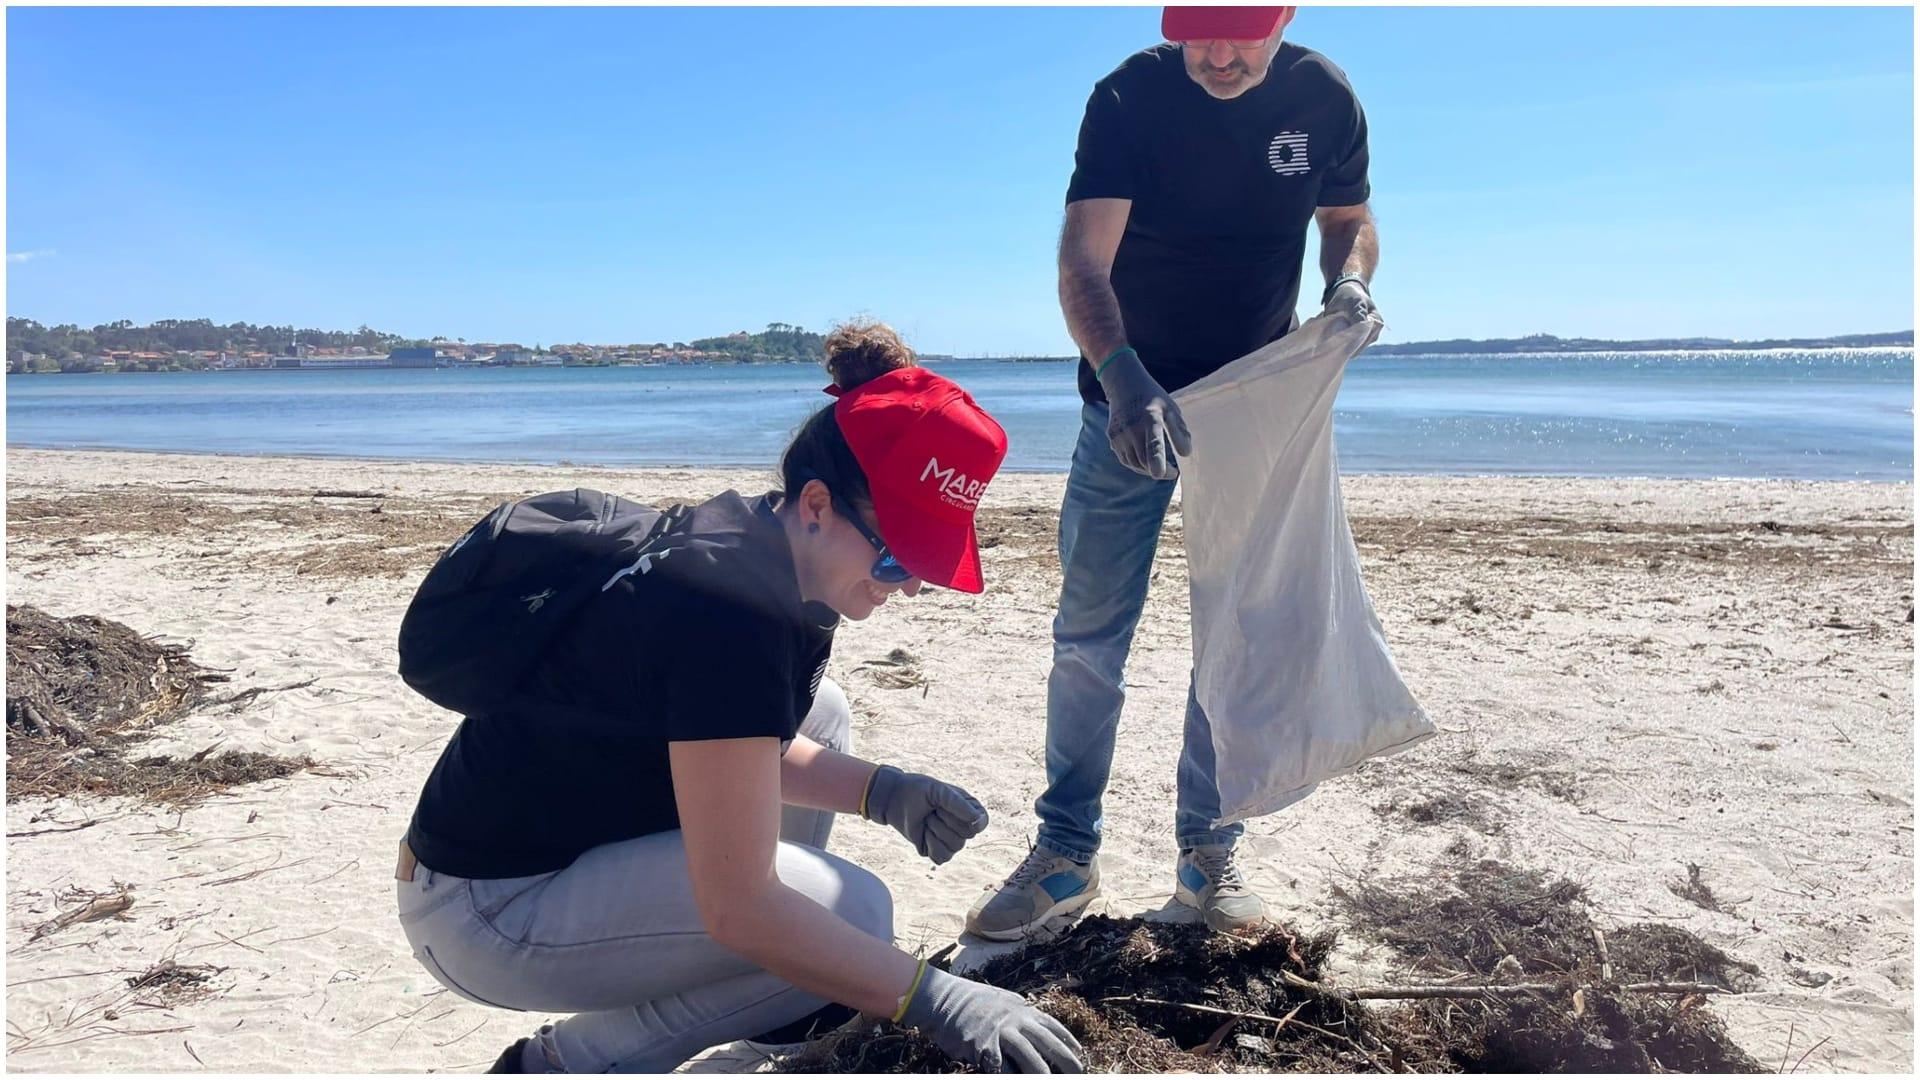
pixel 1223 192
pixel 708 640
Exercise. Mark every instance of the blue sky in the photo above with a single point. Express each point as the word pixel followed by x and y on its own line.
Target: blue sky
pixel 638 175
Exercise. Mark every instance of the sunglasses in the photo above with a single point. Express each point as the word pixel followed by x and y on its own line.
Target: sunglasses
pixel 886 568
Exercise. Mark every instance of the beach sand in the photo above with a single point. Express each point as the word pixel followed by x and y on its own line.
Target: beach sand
pixel 1629 677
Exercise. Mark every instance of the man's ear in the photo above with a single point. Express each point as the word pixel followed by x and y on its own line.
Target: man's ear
pixel 1286 16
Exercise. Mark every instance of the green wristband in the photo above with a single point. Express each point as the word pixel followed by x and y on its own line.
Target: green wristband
pixel 1102 369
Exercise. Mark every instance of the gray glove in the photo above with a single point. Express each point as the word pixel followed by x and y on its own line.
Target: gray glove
pixel 1142 419
pixel 937 818
pixel 993 1028
pixel 1352 301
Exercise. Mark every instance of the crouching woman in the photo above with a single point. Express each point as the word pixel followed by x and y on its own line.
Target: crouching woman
pixel 639 839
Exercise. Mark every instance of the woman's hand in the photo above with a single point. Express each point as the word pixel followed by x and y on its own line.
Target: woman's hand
pixel 993 1028
pixel 937 818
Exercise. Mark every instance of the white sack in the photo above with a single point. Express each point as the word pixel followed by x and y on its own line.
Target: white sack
pixel 1289 661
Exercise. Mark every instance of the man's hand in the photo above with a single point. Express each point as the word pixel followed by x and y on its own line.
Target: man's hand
pixel 1351 301
pixel 1143 423
pixel 938 818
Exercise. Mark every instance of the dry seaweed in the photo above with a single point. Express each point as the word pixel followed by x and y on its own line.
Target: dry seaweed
pixel 1154 997
pixel 83 691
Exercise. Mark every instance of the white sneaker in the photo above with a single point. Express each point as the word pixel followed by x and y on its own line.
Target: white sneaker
pixel 1044 887
pixel 1208 879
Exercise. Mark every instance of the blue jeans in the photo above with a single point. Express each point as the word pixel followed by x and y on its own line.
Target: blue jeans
pixel 1109 531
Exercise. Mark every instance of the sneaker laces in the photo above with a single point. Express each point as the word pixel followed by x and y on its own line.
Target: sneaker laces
pixel 1219 866
pixel 1029 870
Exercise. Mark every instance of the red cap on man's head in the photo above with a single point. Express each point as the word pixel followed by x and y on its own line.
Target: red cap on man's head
pixel 928 452
pixel 1210 23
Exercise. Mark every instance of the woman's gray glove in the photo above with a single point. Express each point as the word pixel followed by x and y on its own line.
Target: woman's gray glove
pixel 937 818
pixel 993 1028
pixel 1142 420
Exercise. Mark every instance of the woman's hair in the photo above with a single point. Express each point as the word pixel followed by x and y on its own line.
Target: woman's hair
pixel 857 352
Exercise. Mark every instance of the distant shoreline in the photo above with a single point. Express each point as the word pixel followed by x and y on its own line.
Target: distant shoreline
pixel 1424 351
pixel 769 468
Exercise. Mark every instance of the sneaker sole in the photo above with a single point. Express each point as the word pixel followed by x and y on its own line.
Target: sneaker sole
pixel 1188 897
pixel 1068 906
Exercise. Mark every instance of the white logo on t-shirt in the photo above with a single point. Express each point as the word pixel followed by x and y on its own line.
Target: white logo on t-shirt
pixel 1287 153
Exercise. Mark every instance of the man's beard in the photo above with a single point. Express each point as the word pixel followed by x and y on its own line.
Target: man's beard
pixel 1237 74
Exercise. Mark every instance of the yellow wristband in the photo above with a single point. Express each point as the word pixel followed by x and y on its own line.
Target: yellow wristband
pixel 906 999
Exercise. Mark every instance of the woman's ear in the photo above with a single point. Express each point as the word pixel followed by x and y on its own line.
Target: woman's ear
pixel 816 501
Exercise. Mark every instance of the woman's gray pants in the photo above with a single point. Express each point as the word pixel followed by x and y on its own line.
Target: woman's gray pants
pixel 616 939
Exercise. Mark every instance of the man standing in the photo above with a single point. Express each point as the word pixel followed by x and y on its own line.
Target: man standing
pixel 1200 163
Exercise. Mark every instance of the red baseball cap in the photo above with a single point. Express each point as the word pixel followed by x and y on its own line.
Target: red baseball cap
pixel 928 452
pixel 1210 23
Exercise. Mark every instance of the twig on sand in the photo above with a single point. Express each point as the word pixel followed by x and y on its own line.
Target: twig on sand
pixel 242 697
pixel 399 1016
pixel 462 1035
pixel 106 1034
pixel 336 873
pixel 256 873
pixel 75 975
pixel 87 824
pixel 302 937
pixel 190 1053
pixel 225 940
pixel 1809 1053
pixel 436 1018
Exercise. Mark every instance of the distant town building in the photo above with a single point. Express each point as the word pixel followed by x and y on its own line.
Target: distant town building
pixel 412 357
pixel 329 363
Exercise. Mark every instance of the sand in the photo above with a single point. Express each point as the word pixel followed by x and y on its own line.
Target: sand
pixel 1630 677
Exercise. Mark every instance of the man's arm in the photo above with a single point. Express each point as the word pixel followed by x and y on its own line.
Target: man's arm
pixel 1143 424
pixel 1349 242
pixel 1088 243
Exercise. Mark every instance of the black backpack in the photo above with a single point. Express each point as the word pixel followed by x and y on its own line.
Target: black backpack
pixel 498 597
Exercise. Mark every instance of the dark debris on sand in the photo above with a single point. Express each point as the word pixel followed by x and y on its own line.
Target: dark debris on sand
pixel 1094 977
pixel 1151 997
pixel 82 691
pixel 1493 923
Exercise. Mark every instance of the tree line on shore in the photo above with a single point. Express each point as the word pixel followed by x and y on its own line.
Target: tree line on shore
pixel 181 344
pixel 175 344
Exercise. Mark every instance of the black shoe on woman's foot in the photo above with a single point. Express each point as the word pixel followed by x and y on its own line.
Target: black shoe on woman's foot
pixel 509 1061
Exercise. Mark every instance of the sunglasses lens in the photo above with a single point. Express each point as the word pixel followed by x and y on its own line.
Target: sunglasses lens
pixel 890 571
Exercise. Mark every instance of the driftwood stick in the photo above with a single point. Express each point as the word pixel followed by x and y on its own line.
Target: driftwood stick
pixel 1606 962
pixel 1210 1009
pixel 100 907
pixel 1444 990
pixel 1521 989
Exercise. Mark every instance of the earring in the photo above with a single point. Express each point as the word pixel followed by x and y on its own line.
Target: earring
pixel 814 528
